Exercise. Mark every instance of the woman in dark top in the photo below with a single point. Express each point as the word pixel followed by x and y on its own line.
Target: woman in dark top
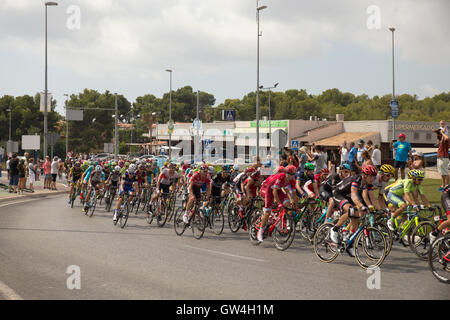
pixel 22 176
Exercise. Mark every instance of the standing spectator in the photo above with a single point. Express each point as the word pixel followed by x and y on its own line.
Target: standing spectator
pixel 13 173
pixel 370 147
pixel 320 159
pixel 47 172
pixel 403 151
pixel 376 157
pixel 366 158
pixel 442 157
pixel 292 158
pixel 22 175
pixel 7 167
pixel 31 173
pixel 54 172
pixel 352 158
pixel 1 160
pixel 418 162
pixel 360 150
pixel 344 153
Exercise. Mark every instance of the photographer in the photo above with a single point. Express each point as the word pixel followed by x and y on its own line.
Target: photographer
pixel 442 157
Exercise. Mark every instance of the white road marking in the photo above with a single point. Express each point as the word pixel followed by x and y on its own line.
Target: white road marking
pixel 8 293
pixel 226 254
pixel 17 202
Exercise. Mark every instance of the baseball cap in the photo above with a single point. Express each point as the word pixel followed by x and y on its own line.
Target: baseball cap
pixel 401 135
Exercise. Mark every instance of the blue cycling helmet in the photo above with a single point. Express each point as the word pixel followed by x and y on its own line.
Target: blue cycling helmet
pixel 344 166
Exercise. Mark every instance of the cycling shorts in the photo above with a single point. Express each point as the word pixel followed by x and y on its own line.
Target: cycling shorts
pixel 165 188
pixel 267 194
pixel 340 200
pixel 126 189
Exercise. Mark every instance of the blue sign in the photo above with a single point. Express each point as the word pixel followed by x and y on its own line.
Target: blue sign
pixel 294 144
pixel 394 108
pixel 229 115
pixel 207 143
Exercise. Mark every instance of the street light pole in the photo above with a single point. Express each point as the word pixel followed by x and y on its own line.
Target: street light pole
pixel 270 121
pixel 67 126
pixel 116 131
pixel 392 29
pixel 258 9
pixel 9 110
pixel 170 114
pixel 46 89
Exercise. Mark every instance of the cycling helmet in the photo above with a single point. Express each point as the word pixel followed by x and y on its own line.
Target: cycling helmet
pixel 117 168
pixel 324 171
pixel 369 170
pixel 113 163
pixel 290 169
pixel 250 170
pixel 77 164
pixel 416 174
pixel 344 166
pixel 204 167
pixel 387 168
pixel 211 170
pixel 236 167
pixel 255 175
pixel 133 167
pixel 309 166
pixel 281 169
pixel 98 168
pixel 226 168
pixel 121 163
pixel 127 164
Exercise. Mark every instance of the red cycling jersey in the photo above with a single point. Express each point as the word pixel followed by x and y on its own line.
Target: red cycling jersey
pixel 277 181
pixel 198 180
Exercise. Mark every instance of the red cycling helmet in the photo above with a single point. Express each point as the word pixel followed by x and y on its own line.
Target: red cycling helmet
pixel 204 167
pixel 121 163
pixel 255 175
pixel 369 170
pixel 250 170
pixel 281 169
pixel 324 171
pixel 290 169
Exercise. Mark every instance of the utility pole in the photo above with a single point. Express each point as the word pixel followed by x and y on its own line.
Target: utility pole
pixel 116 133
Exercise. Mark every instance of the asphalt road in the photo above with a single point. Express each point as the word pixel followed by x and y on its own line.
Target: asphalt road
pixel 41 238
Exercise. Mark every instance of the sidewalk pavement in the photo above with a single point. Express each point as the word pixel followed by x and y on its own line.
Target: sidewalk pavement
pixel 39 191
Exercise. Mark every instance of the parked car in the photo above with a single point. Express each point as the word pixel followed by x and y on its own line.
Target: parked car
pixel 145 157
pixel 102 156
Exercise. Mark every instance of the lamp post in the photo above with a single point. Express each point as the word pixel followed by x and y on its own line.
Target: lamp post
pixel 392 29
pixel 9 110
pixel 67 126
pixel 270 123
pixel 49 3
pixel 258 9
pixel 116 128
pixel 170 114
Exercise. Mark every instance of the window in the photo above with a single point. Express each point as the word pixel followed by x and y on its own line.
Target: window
pixel 428 136
pixel 416 136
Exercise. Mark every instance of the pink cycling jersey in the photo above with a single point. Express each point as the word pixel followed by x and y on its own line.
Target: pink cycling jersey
pixel 198 180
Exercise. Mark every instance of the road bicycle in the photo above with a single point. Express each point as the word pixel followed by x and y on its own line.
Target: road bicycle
pixel 109 199
pixel 76 190
pixel 214 215
pixel 369 243
pixel 419 239
pixel 412 218
pixel 92 203
pixel 439 258
pixel 280 224
pixel 197 220
pixel 163 210
pixel 235 221
pixel 123 212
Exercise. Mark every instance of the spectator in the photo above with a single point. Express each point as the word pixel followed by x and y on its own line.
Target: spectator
pixel 418 162
pixel 320 159
pixel 376 157
pixel 54 172
pixel 22 175
pixel 7 167
pixel 367 160
pixel 442 157
pixel 13 173
pixel 292 158
pixel 1 160
pixel 370 147
pixel 360 150
pixel 403 151
pixel 31 173
pixel 352 158
pixel 344 153
pixel 47 172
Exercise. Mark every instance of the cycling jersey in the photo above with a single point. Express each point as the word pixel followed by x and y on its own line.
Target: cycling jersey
pixel 276 181
pixel 197 180
pixel 114 177
pixel 107 173
pixel 309 185
pixel 219 180
pixel 303 178
pixel 88 173
pixel 76 173
pixel 141 174
pixel 239 181
pixel 378 183
pixel 128 183
pixel 344 187
pixel 166 178
pixel 401 186
pixel 327 187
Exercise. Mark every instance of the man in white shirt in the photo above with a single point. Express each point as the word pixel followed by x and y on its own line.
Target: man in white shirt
pixel 360 150
pixel 344 153
pixel 376 157
pixel 54 172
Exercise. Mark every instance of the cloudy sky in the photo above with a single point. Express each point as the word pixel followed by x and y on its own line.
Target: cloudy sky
pixel 125 46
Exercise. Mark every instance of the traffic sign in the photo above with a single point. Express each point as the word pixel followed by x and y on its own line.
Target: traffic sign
pixel 197 124
pixel 52 138
pixel 229 115
pixel 394 108
pixel 294 144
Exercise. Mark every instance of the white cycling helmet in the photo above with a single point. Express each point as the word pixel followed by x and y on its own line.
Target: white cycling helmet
pixel 236 167
pixel 98 168
pixel 116 168
pixel 211 170
pixel 132 168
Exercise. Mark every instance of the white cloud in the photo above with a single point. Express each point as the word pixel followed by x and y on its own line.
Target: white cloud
pixel 429 91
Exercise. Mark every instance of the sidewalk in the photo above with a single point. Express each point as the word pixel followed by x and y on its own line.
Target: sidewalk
pixel 39 191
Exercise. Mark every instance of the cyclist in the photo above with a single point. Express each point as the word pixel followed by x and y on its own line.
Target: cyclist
pixel 327 187
pixel 221 183
pixel 194 190
pixel 87 168
pixel 239 188
pixel 74 177
pixel 404 192
pixel 354 191
pixel 96 182
pixel 128 185
pixel 250 186
pixel 381 181
pixel 445 201
pixel 277 189
pixel 113 179
pixel 312 186
pixel 301 177
pixel 166 179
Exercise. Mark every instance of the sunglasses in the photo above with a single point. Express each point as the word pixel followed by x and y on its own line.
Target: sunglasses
pixel 420 179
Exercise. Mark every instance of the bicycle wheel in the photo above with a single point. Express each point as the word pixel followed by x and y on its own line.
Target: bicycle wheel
pixel 387 233
pixel 217 220
pixel 198 223
pixel 325 249
pixel 284 233
pixel 178 223
pixel 234 220
pixel 93 206
pixel 172 204
pixel 149 215
pixel 420 241
pixel 161 213
pixel 370 248
pixel 305 226
pixel 439 258
pixel 125 214
pixel 254 228
pixel 72 198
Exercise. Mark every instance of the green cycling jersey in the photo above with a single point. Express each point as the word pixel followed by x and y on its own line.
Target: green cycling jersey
pixel 406 185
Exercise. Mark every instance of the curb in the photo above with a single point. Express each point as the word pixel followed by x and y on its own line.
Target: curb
pixel 31 195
